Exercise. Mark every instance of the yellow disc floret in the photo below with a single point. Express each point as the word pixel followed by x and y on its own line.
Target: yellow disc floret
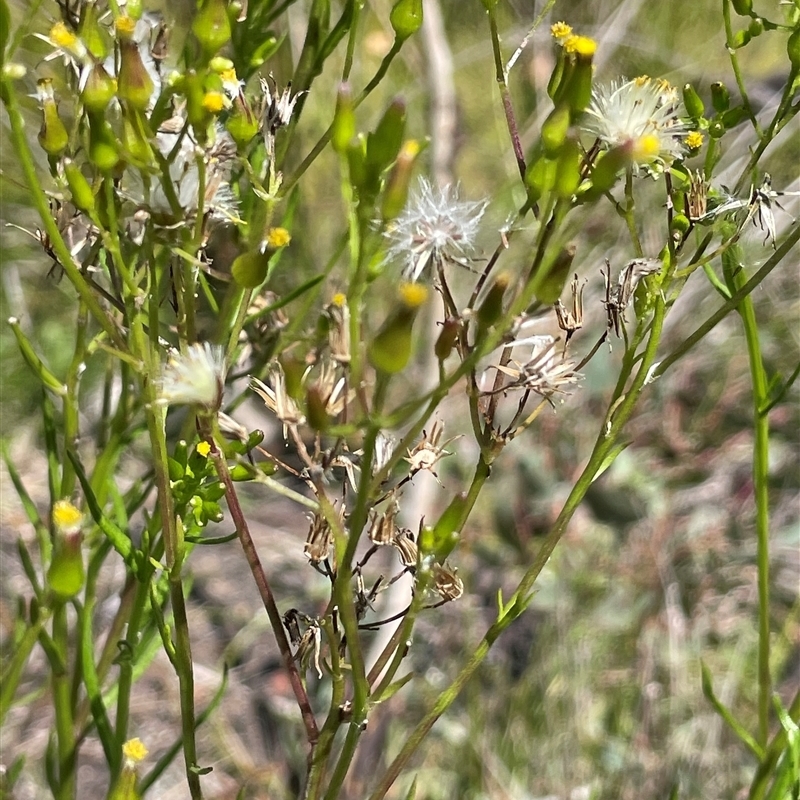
pixel 134 750
pixel 278 237
pixel 413 295
pixel 694 140
pixel 560 31
pixel 66 517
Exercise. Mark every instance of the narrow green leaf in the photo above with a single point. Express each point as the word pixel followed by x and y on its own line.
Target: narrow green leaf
pixel 118 538
pixel 393 688
pixel 5 30
pixel 733 723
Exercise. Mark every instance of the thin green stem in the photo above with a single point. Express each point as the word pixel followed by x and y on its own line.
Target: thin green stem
pixel 62 700
pixel 759 380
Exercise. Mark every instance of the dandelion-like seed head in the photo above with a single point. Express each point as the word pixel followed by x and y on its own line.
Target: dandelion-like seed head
pixel 434 226
pixel 196 377
pixel 644 114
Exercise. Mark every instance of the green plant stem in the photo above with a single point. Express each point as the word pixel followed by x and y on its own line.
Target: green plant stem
pixel 23 152
pixel 758 377
pixel 765 770
pixel 184 668
pixel 62 701
pixel 726 16
pixel 318 759
pixel 622 410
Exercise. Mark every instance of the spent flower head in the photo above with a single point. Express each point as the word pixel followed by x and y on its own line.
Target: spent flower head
pixel 435 226
pixel 643 113
pixel 196 377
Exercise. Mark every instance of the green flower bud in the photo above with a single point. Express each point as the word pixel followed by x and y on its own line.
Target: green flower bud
pixel 212 26
pixel 396 192
pixel 733 116
pixel 694 105
pixel 134 140
pixel 134 85
pixel 680 224
pixel 446 531
pixel 448 337
pixel 250 269
pixel 99 90
pixel 344 120
pixel 53 136
pixel 793 49
pixel 576 88
pixel 406 18
pixel 716 129
pixel 81 191
pixel 356 152
pixel 242 472
pixel 549 291
pixel 66 574
pixel 720 97
pixel 756 27
pixel 491 309
pixel 742 7
pixel 196 112
pixel 293 370
pixel 316 409
pixel 554 131
pixel 390 351
pixel 103 152
pixel 740 39
pixel 92 33
pixel 540 177
pixel 242 124
pixel 568 170
pixel 608 167
pixel 384 144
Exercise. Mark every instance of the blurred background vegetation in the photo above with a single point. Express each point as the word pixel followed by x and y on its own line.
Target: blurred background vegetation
pixel 596 691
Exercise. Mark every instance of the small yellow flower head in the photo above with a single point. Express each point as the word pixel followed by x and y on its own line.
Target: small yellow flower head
pixel 214 102
pixel 646 148
pixel 413 295
pixel 694 140
pixel 203 448
pixel 277 238
pixel 66 517
pixel 339 299
pixel 63 37
pixel 125 26
pixel 560 31
pixel 229 76
pixel 134 751
pixel 581 46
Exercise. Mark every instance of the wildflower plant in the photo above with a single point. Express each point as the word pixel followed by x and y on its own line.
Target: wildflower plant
pixel 167 181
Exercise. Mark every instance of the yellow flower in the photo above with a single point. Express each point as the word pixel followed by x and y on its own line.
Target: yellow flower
pixel 694 140
pixel 580 45
pixel 134 750
pixel 413 295
pixel 204 448
pixel 66 517
pixel 277 238
pixel 213 102
pixel 560 31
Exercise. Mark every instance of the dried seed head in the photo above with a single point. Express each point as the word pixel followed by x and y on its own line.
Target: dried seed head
pixel 446 582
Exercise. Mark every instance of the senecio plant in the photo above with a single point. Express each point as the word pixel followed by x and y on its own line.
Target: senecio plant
pixel 146 151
